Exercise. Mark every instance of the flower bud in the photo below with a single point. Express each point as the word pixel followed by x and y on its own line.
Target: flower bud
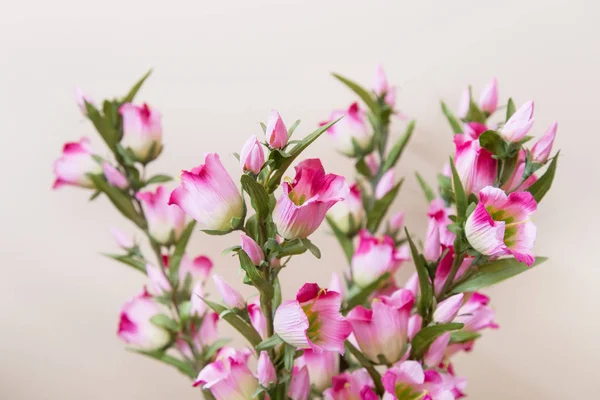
pixel 135 327
pixel 142 131
pixel 265 370
pixel 81 98
pixel 252 249
pixel 519 124
pixel 488 102
pixel 123 241
pixel 231 297
pixel 541 150
pixel 252 156
pixel 165 223
pixel 386 183
pixel 277 133
pixel 465 103
pixel 300 384
pixel 446 310
pixel 76 162
pixel 159 284
pixel 114 176
pixel 322 366
pixel 351 131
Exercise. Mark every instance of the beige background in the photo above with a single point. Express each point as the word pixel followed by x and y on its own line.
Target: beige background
pixel 219 68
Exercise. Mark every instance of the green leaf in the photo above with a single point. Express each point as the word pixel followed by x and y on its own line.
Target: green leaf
pixel 426 297
pixel 452 120
pixel 258 196
pixel 510 109
pixel 277 293
pixel 293 128
pixel 162 321
pixel 543 184
pixel 264 287
pixel 427 335
pixel 295 152
pixel 288 356
pixel 212 349
pixel 362 168
pixel 104 127
pixel 175 259
pixel 289 247
pixel 463 336
pixel 368 365
pixel 312 248
pixel 429 193
pixel 128 260
pixel 119 199
pixel 398 148
pixel 264 127
pixel 380 208
pixel 182 366
pixel 508 168
pixel 493 272
pixel 134 90
pixel 159 179
pixel 243 327
pixel 459 193
pixel 475 113
pixel 364 94
pixel 269 343
pixel 493 142
pixel 344 240
pixel 361 295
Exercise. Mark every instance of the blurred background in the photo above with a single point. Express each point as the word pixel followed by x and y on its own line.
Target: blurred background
pixel 219 69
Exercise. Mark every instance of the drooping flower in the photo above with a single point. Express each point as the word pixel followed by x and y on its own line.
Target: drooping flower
pixel 488 101
pixel 229 377
pixel 386 183
pixel 541 150
pixel 231 297
pixel 114 176
pixel 476 314
pixel 252 156
pixel 501 225
pixel 142 131
pixel 374 257
pixel 265 371
pixel 123 240
pixel 305 201
pixel 299 384
pixel 208 194
pixel 475 165
pixel 276 132
pixel 355 385
pixel 322 366
pixel 438 234
pixel 383 330
pixel 519 124
pixel 313 320
pixel 351 131
pixel 74 165
pixel 252 249
pixel 135 327
pixel 349 213
pixel 165 223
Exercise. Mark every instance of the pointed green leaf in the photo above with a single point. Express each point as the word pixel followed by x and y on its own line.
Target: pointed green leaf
pixel 510 109
pixel 429 193
pixel 293 128
pixel 543 184
pixel 243 327
pixel 368 365
pixel 119 199
pixel 426 290
pixel 269 343
pixel 128 260
pixel 493 142
pixel 454 122
pixel 459 193
pixel 159 179
pixel 464 336
pixel 258 196
pixel 312 248
pixel 263 286
pixel 364 94
pixel 381 206
pixel 344 240
pixel 162 321
pixel 135 89
pixel 175 259
pixel 427 335
pixel 398 148
pixel 102 125
pixel 182 366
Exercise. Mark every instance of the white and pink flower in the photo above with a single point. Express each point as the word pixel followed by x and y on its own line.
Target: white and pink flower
pixel 313 320
pixel 355 385
pixel 252 249
pixel 351 131
pixel 516 181
pixel 265 371
pixel 519 124
pixel 299 384
pixel 231 297
pixel 305 201
pixel 475 165
pixel 476 314
pixel 114 176
pixel 165 223
pixel 322 366
pixel 208 194
pixel 488 101
pixel 74 165
pixel 447 310
pixel 385 184
pixel 276 132
pixel 438 236
pixel 501 225
pixel 541 150
pixel 198 269
pixel 257 318
pixel 348 214
pixel 135 326
pixel 142 131
pixel 252 156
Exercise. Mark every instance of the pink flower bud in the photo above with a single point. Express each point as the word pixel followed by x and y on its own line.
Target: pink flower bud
pixel 142 131
pixel 541 150
pixel 123 241
pixel 475 165
pixel 208 194
pixel 231 297
pixel 322 366
pixel 114 176
pixel 438 234
pixel 300 384
pixel 386 183
pixel 415 322
pixel 446 310
pixel 252 156
pixel 74 165
pixel 435 353
pixel 277 133
pixel 372 163
pixel 165 223
pixel 444 267
pixel 515 182
pixel 347 210
pixel 81 98
pixel 252 249
pixel 476 314
pixel 159 284
pixel 381 82
pixel 304 203
pixel 374 257
pixel 135 327
pixel 488 101
pixel 198 305
pixel 355 385
pixel 519 124
pixel 265 370
pixel 351 131
pixel 465 103
pixel 197 269
pixel 313 320
pixel 336 284
pixel 257 318
pixel 396 222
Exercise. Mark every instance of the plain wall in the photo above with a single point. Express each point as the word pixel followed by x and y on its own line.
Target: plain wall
pixel 219 69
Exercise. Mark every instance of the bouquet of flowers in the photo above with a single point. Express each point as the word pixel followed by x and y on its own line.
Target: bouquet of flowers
pixel 365 336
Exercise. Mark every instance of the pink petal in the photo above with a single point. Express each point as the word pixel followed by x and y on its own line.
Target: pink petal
pixel 291 323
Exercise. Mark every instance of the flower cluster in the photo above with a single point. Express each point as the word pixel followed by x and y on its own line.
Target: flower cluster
pixel 364 336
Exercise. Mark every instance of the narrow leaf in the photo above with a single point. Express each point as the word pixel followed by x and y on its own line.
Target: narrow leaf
pixel 258 195
pixel 243 327
pixel 452 120
pixel 269 343
pixel 510 109
pixel 159 179
pixel 365 95
pixel 162 321
pixel 459 192
pixel 344 240
pixel 265 288
pixel 361 296
pixel 135 89
pixel 426 336
pixel 426 296
pixel 399 147
pixel 175 259
pixel 119 199
pixel 543 184
pixel 312 248
pixel 368 365
pixel 463 336
pixel 293 128
pixel 128 260
pixel 429 193
pixel 182 366
pixel 380 208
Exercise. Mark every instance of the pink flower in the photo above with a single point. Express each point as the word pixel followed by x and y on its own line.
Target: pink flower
pixel 464 104
pixel 476 314
pixel 351 131
pixel 123 241
pixel 265 370
pixel 322 366
pixel 383 330
pixel 475 166
pixel 447 310
pixel 231 297
pixel 257 318
pixel 252 249
pixel 396 222
pixel 515 182
pixel 489 97
pixel 229 377
pixel 355 385
pixel 519 124
pixel 277 133
pixel 208 194
pixel 304 203
pixel 415 323
pixel 404 380
pixel 76 162
pixel 435 354
pixel 159 284
pixel 198 306
pixel 444 267
pixel 372 163
pixel 142 131
pixel 336 284
pixel 197 269
pixel 165 223
pixel 374 257
pixel 438 234
pixel 81 98
pixel 541 150
pixel 202 337
pixel 300 384
pixel 386 183
pixel 114 176
pixel 501 225
pixel 313 320
pixel 348 210
pixel 252 156
pixel 135 327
